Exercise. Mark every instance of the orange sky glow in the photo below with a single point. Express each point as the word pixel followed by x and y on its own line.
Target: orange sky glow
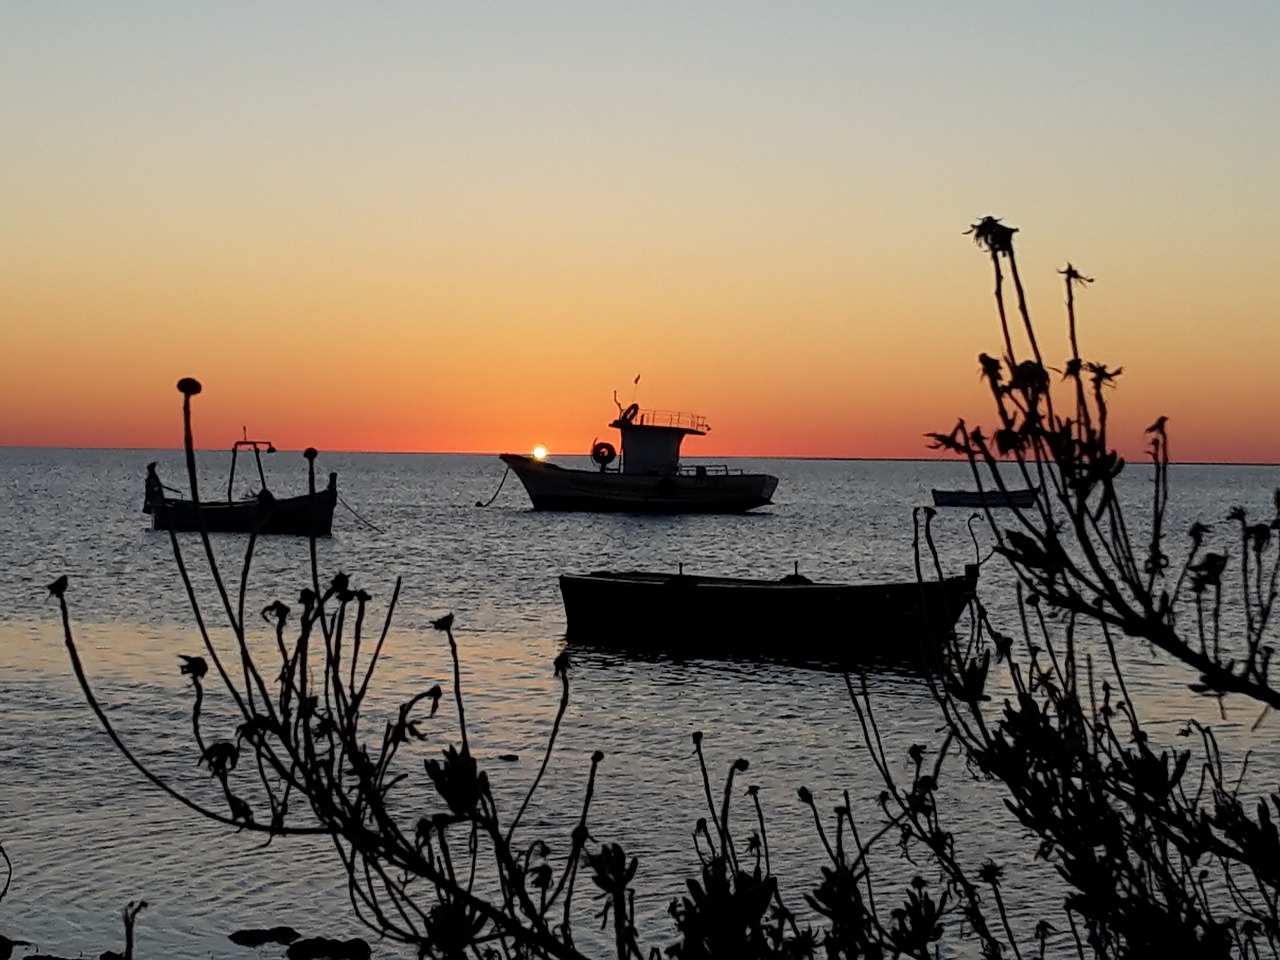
pixel 447 229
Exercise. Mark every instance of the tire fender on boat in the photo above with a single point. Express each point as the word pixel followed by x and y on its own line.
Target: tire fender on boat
pixel 603 453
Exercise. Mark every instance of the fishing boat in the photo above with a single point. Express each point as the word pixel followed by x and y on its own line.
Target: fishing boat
pixel 995 497
pixel 792 619
pixel 310 514
pixel 646 475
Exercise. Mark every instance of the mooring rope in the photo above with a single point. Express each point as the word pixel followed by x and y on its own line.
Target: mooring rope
pixel 356 515
pixel 498 491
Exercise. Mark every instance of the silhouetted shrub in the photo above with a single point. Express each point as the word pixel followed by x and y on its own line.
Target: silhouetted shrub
pixel 1159 851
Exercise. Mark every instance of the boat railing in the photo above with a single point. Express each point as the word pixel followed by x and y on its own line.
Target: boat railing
pixel 672 418
pixel 707 470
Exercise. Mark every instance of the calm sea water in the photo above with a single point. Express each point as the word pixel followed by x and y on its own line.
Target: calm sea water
pixel 87 833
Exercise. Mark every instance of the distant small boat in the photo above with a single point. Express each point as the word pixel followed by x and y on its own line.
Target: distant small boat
pixel 310 514
pixel 1025 497
pixel 790 619
pixel 648 477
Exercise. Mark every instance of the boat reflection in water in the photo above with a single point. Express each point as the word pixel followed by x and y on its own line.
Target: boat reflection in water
pixel 791 619
pixel 647 477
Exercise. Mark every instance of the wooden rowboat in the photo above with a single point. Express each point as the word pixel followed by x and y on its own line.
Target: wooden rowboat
pixel 1025 497
pixel 307 515
pixel 791 619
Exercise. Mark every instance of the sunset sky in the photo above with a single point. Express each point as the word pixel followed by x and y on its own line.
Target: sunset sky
pixel 460 227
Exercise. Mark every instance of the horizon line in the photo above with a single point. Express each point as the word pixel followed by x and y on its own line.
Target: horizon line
pixel 736 456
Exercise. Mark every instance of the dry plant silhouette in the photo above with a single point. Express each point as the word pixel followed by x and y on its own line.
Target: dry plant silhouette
pixel 1160 849
pixel 7 944
pixel 129 915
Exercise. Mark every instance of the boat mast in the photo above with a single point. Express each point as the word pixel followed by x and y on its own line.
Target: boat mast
pixel 258 447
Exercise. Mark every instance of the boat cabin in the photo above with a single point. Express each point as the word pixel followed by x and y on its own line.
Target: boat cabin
pixel 651 439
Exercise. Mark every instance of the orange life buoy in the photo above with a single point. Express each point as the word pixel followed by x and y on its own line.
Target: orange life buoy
pixel 629 414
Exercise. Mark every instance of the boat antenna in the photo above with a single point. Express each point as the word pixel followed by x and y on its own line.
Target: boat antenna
pixel 617 403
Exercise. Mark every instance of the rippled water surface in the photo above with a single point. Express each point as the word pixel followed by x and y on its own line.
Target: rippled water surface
pixel 86 833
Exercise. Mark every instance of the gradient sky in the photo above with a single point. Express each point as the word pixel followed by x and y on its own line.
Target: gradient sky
pixel 460 227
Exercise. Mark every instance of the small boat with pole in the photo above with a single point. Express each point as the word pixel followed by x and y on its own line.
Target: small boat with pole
pixel 791 619
pixel 309 514
pixel 646 475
